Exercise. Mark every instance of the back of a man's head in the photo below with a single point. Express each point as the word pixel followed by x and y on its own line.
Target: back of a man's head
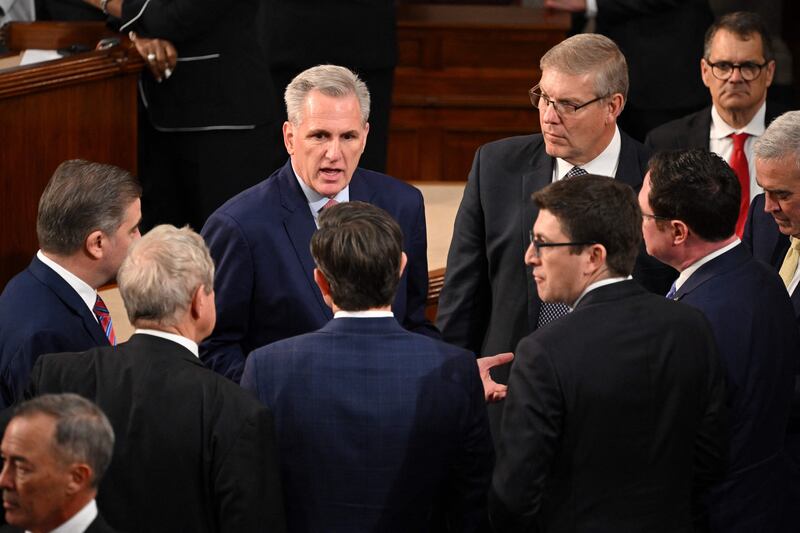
pixel 358 248
pixel 597 209
pixel 82 197
pixel 161 274
pixel 697 187
pixel 56 448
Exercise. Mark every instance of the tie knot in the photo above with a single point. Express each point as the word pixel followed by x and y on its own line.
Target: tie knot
pixel 739 139
pixel 575 171
pixel 795 243
pixel 330 203
pixel 100 307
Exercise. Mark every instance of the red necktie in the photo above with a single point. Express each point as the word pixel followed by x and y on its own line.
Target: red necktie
pixel 739 165
pixel 104 317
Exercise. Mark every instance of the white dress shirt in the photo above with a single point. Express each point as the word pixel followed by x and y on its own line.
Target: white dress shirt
pixel 189 344
pixel 86 292
pixel 363 314
pixel 597 285
pixel 316 201
pixel 604 164
pixel 80 521
pixel 721 144
pixel 687 272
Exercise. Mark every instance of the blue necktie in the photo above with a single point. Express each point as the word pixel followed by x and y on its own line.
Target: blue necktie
pixel 672 291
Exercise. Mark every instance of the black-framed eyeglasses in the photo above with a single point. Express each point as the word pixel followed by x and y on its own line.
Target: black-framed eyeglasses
pixel 538 245
pixel 562 108
pixel 723 70
pixel 655 217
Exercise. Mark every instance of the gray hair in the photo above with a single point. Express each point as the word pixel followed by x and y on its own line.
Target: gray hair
pixel 162 272
pixel 330 80
pixel 83 433
pixel 590 53
pixel 782 139
pixel 82 197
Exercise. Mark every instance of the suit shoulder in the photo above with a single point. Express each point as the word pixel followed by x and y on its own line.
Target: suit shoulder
pixel 673 135
pixel 511 146
pixel 256 198
pixel 388 185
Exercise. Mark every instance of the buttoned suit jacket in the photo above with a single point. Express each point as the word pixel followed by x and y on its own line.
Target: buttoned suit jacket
pixel 98 525
pixel 693 130
pixel 265 289
pixel 379 428
pixel 40 313
pixel 754 326
pixel 615 417
pixel 193 452
pixel 489 300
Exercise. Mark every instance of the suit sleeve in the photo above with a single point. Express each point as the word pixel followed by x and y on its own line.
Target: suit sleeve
pixel 174 20
pixel 417 288
pixel 530 434
pixel 472 466
pixel 233 284
pixel 464 304
pixel 16 375
pixel 247 486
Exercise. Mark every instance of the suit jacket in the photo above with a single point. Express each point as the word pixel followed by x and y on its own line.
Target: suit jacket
pixel 378 428
pixel 753 323
pixel 222 78
pixel 265 283
pixel 98 525
pixel 489 300
pixel 193 452
pixel 693 130
pixel 615 417
pixel 40 313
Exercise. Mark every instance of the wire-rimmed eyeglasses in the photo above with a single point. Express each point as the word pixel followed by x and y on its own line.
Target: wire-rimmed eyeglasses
pixel 562 108
pixel 538 245
pixel 723 70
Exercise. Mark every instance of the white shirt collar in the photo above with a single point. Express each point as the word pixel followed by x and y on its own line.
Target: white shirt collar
pixel 315 200
pixel 721 129
pixel 687 272
pixel 604 164
pixel 363 314
pixel 597 285
pixel 189 344
pixel 80 521
pixel 87 293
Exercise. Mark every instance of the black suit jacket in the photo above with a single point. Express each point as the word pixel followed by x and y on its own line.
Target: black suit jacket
pixel 615 416
pixel 489 300
pixel 193 451
pixel 693 130
pixel 98 525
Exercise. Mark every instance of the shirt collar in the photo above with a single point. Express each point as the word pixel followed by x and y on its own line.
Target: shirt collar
pixel 604 164
pixel 597 285
pixel 363 314
pixel 189 344
pixel 721 129
pixel 687 272
pixel 80 521
pixel 87 293
pixel 315 200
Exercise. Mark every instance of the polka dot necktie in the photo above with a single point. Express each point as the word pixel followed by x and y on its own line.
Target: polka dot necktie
pixel 575 171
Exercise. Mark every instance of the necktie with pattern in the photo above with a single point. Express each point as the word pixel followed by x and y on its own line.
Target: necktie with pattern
pixel 739 165
pixel 575 171
pixel 104 317
pixel 672 291
pixel 789 265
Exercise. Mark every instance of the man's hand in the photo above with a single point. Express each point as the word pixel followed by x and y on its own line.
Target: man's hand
pixel 159 54
pixel 493 391
pixel 575 6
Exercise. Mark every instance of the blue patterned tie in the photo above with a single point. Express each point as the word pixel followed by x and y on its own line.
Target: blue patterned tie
pixel 672 291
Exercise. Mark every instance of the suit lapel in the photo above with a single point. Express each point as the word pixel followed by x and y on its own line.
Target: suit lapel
pixel 717 266
pixel 540 174
pixel 360 189
pixel 300 226
pixel 69 298
pixel 698 135
pixel 628 169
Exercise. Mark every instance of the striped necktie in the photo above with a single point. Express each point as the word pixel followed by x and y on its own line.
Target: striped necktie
pixel 104 317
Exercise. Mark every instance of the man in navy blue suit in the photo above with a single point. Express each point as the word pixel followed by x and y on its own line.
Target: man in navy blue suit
pixel 379 429
pixel 690 204
pixel 259 239
pixel 88 215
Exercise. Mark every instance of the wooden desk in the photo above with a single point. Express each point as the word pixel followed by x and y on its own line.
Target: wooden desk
pixel 462 80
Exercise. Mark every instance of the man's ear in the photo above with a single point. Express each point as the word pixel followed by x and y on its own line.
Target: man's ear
pixel 403 262
pixel 196 307
pixel 95 243
pixel 324 287
pixel 596 258
pixel 616 104
pixel 288 137
pixel 680 232
pixel 80 477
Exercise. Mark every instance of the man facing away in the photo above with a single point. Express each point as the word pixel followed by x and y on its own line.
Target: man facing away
pixel 194 452
pixel 614 419
pixel 737 67
pixel 379 429
pixel 259 239
pixel 55 451
pixel 88 215
pixel 690 203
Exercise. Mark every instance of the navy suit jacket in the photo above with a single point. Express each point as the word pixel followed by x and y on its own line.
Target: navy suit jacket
pixel 378 428
pixel 753 324
pixel 40 313
pixel 264 284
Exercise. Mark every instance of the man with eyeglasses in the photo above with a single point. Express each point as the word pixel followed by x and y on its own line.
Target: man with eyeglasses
pixel 751 317
pixel 738 66
pixel 614 419
pixel 489 302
